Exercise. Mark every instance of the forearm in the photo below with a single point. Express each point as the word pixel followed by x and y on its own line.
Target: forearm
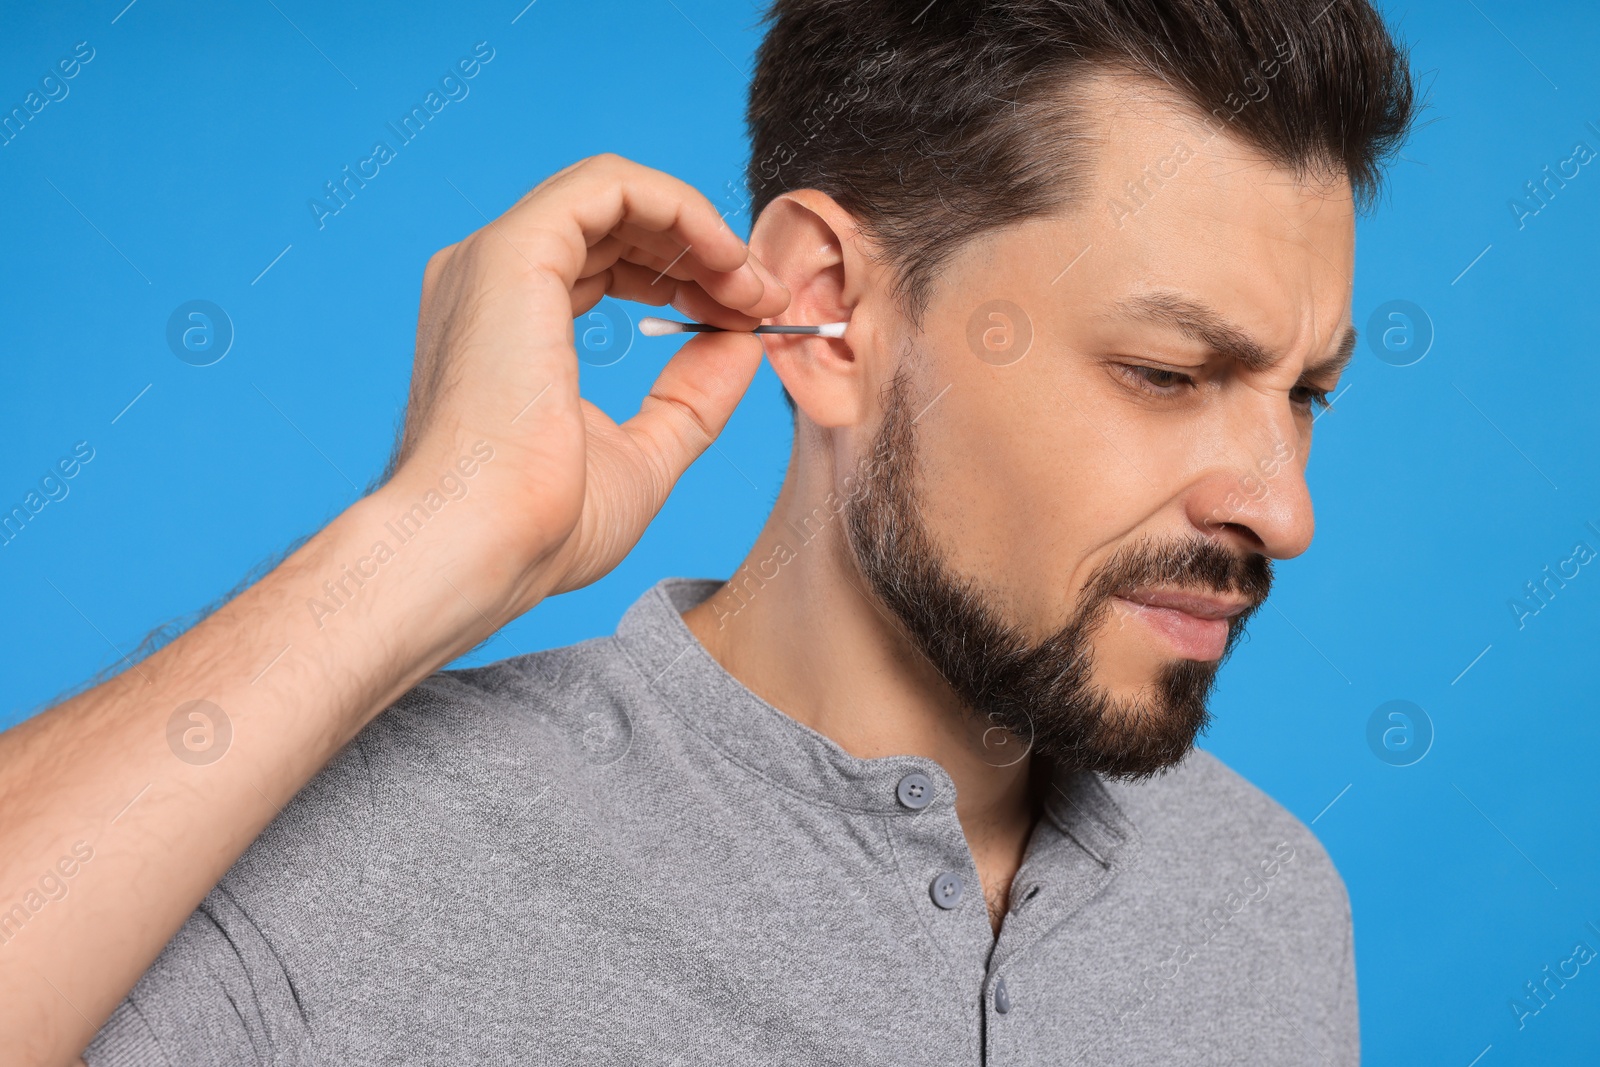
pixel 297 665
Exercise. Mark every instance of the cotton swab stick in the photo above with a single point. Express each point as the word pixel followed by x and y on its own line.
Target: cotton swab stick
pixel 654 327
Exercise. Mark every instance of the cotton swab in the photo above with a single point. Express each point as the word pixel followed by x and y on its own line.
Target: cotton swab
pixel 654 327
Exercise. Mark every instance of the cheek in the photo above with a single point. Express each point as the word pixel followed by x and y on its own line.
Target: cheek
pixel 1028 492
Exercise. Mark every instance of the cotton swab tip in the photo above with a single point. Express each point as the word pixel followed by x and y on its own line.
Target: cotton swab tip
pixel 651 326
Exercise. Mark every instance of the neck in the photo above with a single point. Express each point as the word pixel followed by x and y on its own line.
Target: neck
pixel 796 625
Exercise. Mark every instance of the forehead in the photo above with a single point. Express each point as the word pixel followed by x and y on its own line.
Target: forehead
pixel 1172 202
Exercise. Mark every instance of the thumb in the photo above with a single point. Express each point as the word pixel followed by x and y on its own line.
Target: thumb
pixel 692 400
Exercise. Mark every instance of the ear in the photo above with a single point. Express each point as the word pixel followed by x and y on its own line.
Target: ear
pixel 810 243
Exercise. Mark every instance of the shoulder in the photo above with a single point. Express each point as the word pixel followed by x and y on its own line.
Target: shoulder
pixel 1202 821
pixel 456 743
pixel 478 720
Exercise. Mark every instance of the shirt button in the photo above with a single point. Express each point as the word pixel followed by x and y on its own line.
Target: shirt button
pixel 947 889
pixel 915 790
pixel 1002 997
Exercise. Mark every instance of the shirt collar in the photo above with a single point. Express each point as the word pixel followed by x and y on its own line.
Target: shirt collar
pixel 799 759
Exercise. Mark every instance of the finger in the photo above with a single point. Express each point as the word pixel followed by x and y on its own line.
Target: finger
pixel 685 269
pixel 659 255
pixel 652 201
pixel 660 266
pixel 625 281
pixel 691 402
pixel 663 245
pixel 631 282
pixel 608 190
pixel 727 290
pixel 601 255
pixel 699 306
pixel 628 281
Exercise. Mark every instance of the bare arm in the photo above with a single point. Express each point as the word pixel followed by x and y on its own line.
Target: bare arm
pixel 124 786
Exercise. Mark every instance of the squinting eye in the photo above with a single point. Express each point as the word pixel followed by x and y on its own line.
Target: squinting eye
pixel 1157 381
pixel 1308 397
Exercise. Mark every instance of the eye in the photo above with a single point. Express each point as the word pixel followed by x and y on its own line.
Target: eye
pixel 1307 397
pixel 1157 381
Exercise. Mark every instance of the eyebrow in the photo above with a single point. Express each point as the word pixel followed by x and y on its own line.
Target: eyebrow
pixel 1205 324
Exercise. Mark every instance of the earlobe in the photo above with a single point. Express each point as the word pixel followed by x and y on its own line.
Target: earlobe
pixel 807 240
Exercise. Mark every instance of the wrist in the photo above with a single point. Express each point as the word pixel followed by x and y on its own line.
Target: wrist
pixel 443 523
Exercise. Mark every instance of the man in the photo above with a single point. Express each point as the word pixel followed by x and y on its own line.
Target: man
pixel 917 784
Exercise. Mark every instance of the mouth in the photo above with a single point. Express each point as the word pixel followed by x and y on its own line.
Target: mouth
pixel 1195 625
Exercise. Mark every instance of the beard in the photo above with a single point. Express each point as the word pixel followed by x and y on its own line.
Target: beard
pixel 1041 695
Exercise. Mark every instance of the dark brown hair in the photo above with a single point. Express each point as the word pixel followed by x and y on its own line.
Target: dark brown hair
pixel 933 124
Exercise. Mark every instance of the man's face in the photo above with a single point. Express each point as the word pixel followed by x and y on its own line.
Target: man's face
pixel 1086 422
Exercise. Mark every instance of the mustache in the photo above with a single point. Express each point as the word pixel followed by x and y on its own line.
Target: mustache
pixel 1197 564
pixel 1194 564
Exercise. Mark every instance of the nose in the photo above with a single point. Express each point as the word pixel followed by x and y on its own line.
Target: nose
pixel 1253 490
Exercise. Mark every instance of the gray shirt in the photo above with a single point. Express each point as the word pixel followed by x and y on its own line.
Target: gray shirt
pixel 616 853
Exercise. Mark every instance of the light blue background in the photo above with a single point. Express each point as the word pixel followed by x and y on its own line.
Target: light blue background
pixel 182 162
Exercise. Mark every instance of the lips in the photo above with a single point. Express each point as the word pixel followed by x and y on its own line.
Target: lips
pixel 1201 607
pixel 1194 624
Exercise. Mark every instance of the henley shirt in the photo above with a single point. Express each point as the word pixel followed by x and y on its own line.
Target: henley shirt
pixel 615 853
